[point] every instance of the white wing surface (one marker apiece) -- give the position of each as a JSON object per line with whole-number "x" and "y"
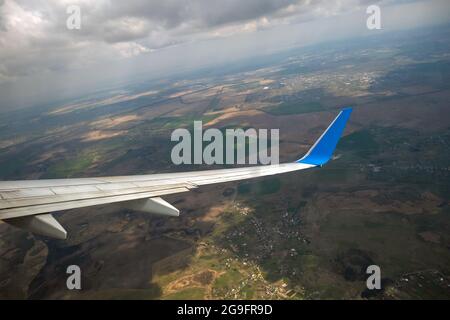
{"x": 27, "y": 203}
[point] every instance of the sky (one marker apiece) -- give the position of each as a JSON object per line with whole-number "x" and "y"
{"x": 42, "y": 61}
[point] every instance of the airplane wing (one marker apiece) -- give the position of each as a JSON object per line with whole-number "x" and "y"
{"x": 28, "y": 204}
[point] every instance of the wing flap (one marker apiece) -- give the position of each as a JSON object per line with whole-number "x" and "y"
{"x": 59, "y": 206}
{"x": 24, "y": 201}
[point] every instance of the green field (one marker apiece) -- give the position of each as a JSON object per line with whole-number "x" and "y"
{"x": 287, "y": 108}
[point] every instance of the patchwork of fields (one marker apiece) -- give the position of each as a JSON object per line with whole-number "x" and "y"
{"x": 383, "y": 200}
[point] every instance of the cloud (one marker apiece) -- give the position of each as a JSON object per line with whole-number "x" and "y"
{"x": 35, "y": 42}
{"x": 130, "y": 49}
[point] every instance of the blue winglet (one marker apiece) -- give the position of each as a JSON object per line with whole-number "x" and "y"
{"x": 323, "y": 149}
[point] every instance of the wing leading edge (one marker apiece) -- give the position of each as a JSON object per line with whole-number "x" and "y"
{"x": 28, "y": 203}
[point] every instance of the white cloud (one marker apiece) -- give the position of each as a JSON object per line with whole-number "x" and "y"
{"x": 130, "y": 49}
